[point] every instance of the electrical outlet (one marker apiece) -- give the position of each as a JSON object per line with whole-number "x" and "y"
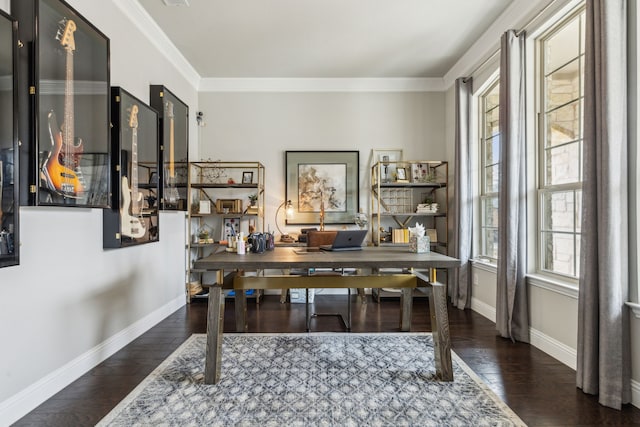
{"x": 475, "y": 279}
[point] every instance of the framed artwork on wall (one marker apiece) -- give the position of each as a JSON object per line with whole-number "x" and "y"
{"x": 133, "y": 218}
{"x": 173, "y": 149}
{"x": 322, "y": 179}
{"x": 64, "y": 106}
{"x": 9, "y": 210}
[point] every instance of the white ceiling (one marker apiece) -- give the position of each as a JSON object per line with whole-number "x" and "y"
{"x": 324, "y": 38}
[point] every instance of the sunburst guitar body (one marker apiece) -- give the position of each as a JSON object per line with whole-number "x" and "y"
{"x": 62, "y": 168}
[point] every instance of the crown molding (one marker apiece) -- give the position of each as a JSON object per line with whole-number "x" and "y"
{"x": 321, "y": 85}
{"x": 519, "y": 15}
{"x": 141, "y": 19}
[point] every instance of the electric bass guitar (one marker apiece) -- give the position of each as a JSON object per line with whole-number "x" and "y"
{"x": 61, "y": 170}
{"x": 171, "y": 192}
{"x": 131, "y": 221}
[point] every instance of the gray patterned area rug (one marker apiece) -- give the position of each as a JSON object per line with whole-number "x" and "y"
{"x": 312, "y": 380}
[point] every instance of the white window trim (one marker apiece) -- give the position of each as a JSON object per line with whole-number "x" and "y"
{"x": 538, "y": 186}
{"x": 635, "y": 308}
{"x": 480, "y": 195}
{"x": 550, "y": 284}
{"x": 484, "y": 264}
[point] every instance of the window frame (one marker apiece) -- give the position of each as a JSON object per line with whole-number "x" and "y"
{"x": 483, "y": 195}
{"x": 542, "y": 188}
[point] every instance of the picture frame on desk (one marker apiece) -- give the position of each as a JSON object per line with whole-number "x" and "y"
{"x": 247, "y": 177}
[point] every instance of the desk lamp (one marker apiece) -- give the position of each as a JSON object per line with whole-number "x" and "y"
{"x": 288, "y": 215}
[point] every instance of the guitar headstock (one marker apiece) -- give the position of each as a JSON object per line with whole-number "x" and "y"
{"x": 65, "y": 34}
{"x": 133, "y": 116}
{"x": 168, "y": 109}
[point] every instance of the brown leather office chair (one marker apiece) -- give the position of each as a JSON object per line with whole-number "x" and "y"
{"x": 317, "y": 238}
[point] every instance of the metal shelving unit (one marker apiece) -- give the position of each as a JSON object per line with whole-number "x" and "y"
{"x": 220, "y": 204}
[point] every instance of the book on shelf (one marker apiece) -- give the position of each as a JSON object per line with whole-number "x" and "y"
{"x": 400, "y": 235}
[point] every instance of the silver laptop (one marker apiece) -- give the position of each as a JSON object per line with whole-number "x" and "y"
{"x": 346, "y": 240}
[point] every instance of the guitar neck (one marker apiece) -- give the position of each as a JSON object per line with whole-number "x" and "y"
{"x": 135, "y": 207}
{"x": 172, "y": 168}
{"x": 68, "y": 123}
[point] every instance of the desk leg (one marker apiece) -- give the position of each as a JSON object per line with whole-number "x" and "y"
{"x": 406, "y": 306}
{"x": 215, "y": 322}
{"x": 241, "y": 311}
{"x": 440, "y": 329}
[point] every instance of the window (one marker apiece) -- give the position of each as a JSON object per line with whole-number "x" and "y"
{"x": 561, "y": 105}
{"x": 489, "y": 167}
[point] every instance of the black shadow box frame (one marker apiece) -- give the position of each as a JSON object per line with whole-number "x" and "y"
{"x": 9, "y": 173}
{"x": 63, "y": 105}
{"x": 173, "y": 149}
{"x": 133, "y": 218}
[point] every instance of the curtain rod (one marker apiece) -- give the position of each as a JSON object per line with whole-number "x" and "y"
{"x": 518, "y": 33}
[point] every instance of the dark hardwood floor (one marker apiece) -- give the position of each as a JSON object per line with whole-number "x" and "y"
{"x": 539, "y": 389}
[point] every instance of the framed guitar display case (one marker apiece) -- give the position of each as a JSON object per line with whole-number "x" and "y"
{"x": 9, "y": 221}
{"x": 173, "y": 149}
{"x": 133, "y": 218}
{"x": 63, "y": 105}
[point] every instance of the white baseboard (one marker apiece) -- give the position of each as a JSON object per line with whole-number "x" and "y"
{"x": 554, "y": 348}
{"x": 635, "y": 393}
{"x": 20, "y": 404}
{"x": 484, "y": 309}
{"x": 551, "y": 346}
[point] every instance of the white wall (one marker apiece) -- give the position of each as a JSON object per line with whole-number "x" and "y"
{"x": 70, "y": 304}
{"x": 261, "y": 126}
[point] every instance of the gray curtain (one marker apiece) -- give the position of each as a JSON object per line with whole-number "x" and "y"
{"x": 603, "y": 318}
{"x": 512, "y": 317}
{"x": 460, "y": 283}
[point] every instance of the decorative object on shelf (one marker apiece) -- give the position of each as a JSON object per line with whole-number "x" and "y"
{"x": 418, "y": 241}
{"x": 419, "y": 172}
{"x": 224, "y": 206}
{"x": 252, "y": 209}
{"x": 247, "y": 177}
{"x": 401, "y": 175}
{"x": 9, "y": 189}
{"x": 231, "y": 228}
{"x": 361, "y": 220}
{"x": 388, "y": 158}
{"x": 204, "y": 234}
{"x": 288, "y": 213}
{"x": 65, "y": 160}
{"x": 204, "y": 207}
{"x": 214, "y": 174}
{"x": 322, "y": 179}
{"x": 427, "y": 208}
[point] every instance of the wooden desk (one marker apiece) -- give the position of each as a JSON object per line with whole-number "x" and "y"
{"x": 423, "y": 273}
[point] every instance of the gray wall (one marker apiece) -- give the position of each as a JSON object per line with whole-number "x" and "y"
{"x": 69, "y": 304}
{"x": 261, "y": 126}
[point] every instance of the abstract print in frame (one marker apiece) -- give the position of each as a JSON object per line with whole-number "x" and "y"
{"x": 317, "y": 179}
{"x": 67, "y": 163}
